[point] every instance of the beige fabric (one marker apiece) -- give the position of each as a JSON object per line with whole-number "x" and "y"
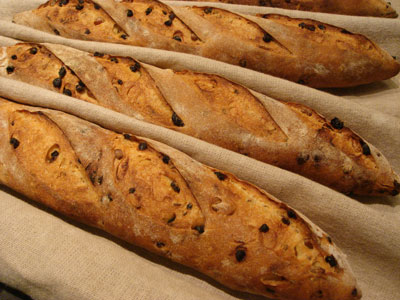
{"x": 385, "y": 32}
{"x": 50, "y": 258}
{"x": 367, "y": 234}
{"x": 381, "y": 30}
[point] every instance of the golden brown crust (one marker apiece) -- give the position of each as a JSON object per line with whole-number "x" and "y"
{"x": 82, "y": 23}
{"x": 357, "y": 152}
{"x": 314, "y": 54}
{"x": 211, "y": 108}
{"x": 356, "y": 52}
{"x": 374, "y": 8}
{"x": 36, "y": 64}
{"x": 158, "y": 198}
{"x": 159, "y": 18}
{"x": 137, "y": 89}
{"x": 235, "y": 103}
{"x": 134, "y": 89}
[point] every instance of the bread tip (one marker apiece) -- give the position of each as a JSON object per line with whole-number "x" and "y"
{"x": 391, "y": 67}
{"x": 390, "y": 12}
{"x": 396, "y": 185}
{"x": 394, "y": 69}
{"x": 397, "y": 68}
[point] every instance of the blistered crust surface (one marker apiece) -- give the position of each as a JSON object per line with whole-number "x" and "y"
{"x": 160, "y": 199}
{"x": 299, "y": 50}
{"x": 209, "y": 107}
{"x": 376, "y": 8}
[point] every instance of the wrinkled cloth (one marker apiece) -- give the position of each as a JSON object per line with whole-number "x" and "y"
{"x": 50, "y": 257}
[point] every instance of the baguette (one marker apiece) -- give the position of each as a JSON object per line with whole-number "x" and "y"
{"x": 211, "y": 108}
{"x": 160, "y": 199}
{"x": 303, "y": 51}
{"x": 373, "y": 8}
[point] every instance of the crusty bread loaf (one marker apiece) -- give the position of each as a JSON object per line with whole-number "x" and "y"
{"x": 160, "y": 199}
{"x": 303, "y": 51}
{"x": 374, "y": 8}
{"x": 209, "y": 107}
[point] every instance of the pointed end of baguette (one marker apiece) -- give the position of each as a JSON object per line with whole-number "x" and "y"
{"x": 387, "y": 181}
{"x": 391, "y": 14}
{"x": 389, "y": 11}
{"x": 390, "y": 66}
{"x": 394, "y": 187}
{"x": 377, "y": 65}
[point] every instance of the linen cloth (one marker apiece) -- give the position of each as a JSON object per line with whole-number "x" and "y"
{"x": 50, "y": 257}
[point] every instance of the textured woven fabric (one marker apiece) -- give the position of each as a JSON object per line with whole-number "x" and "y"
{"x": 49, "y": 257}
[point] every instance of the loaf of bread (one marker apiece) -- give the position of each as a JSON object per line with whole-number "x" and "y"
{"x": 160, "y": 199}
{"x": 374, "y": 8}
{"x": 303, "y": 51}
{"x": 211, "y": 108}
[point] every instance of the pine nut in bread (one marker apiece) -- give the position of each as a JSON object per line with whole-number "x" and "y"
{"x": 373, "y": 8}
{"x": 162, "y": 200}
{"x": 211, "y": 108}
{"x": 318, "y": 55}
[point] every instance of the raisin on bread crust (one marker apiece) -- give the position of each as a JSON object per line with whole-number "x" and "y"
{"x": 303, "y": 51}
{"x": 160, "y": 199}
{"x": 211, "y": 108}
{"x": 373, "y": 8}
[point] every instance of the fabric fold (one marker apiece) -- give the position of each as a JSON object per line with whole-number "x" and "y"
{"x": 353, "y": 225}
{"x": 52, "y": 258}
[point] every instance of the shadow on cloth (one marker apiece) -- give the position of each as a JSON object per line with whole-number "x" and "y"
{"x": 365, "y": 90}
